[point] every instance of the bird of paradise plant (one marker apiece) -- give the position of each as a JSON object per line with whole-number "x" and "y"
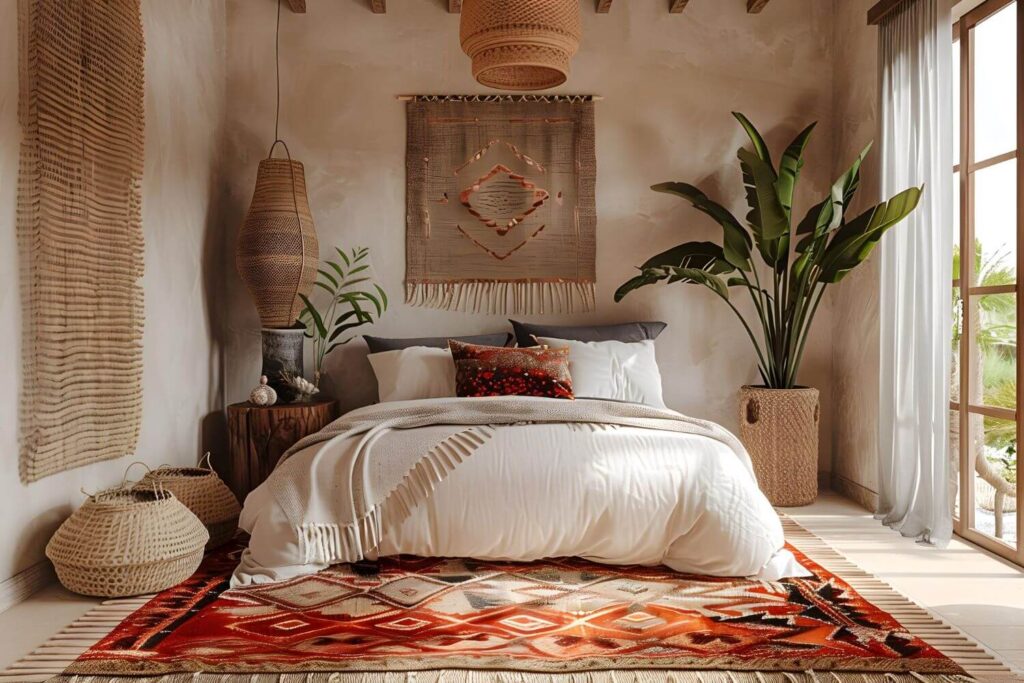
{"x": 802, "y": 259}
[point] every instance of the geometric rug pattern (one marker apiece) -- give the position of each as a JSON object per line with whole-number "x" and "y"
{"x": 554, "y": 616}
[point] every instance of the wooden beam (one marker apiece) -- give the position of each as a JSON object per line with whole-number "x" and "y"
{"x": 297, "y": 6}
{"x": 677, "y": 6}
{"x": 603, "y": 6}
{"x": 378, "y": 6}
{"x": 454, "y": 6}
{"x": 880, "y": 10}
{"x": 755, "y": 6}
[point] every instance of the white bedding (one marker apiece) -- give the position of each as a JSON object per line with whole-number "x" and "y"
{"x": 613, "y": 494}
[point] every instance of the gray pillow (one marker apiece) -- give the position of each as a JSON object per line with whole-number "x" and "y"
{"x": 623, "y": 332}
{"x": 378, "y": 344}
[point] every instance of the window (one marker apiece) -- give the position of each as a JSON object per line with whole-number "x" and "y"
{"x": 988, "y": 251}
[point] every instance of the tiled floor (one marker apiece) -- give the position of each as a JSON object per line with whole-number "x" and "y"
{"x": 974, "y": 591}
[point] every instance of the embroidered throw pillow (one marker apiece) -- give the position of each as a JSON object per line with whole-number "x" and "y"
{"x": 499, "y": 371}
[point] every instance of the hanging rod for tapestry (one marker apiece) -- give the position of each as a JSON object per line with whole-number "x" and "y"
{"x": 499, "y": 98}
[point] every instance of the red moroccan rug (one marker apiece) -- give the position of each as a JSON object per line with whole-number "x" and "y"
{"x": 484, "y": 621}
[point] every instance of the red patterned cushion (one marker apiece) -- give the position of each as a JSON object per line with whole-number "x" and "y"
{"x": 499, "y": 371}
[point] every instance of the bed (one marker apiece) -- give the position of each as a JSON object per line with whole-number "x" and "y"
{"x": 515, "y": 478}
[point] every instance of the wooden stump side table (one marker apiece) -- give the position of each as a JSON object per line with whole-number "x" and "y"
{"x": 259, "y": 436}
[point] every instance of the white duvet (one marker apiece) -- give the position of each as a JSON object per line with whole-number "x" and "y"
{"x": 608, "y": 493}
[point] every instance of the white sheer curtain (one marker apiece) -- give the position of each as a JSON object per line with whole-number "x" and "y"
{"x": 915, "y": 52}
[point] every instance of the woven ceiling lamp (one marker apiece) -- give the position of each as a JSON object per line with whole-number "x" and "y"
{"x": 520, "y": 44}
{"x": 277, "y": 252}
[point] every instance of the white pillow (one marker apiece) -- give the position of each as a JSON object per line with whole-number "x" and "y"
{"x": 414, "y": 372}
{"x": 623, "y": 371}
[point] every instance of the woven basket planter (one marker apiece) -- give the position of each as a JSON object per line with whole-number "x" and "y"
{"x": 127, "y": 542}
{"x": 204, "y": 493}
{"x": 277, "y": 252}
{"x": 520, "y": 44}
{"x": 779, "y": 428}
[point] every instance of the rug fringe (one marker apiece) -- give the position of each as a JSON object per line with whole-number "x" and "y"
{"x": 474, "y": 676}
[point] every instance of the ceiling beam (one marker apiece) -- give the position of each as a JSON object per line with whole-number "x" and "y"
{"x": 297, "y": 6}
{"x": 603, "y": 6}
{"x": 454, "y": 6}
{"x": 755, "y": 6}
{"x": 677, "y": 6}
{"x": 378, "y": 6}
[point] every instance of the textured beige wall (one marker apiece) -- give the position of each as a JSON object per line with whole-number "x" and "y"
{"x": 855, "y": 333}
{"x": 669, "y": 83}
{"x": 184, "y": 105}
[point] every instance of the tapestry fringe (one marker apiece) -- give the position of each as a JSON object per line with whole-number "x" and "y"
{"x": 321, "y": 543}
{"x": 475, "y": 676}
{"x": 502, "y": 298}
{"x": 504, "y": 98}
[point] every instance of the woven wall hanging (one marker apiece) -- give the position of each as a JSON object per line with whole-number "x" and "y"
{"x": 500, "y": 203}
{"x": 79, "y": 230}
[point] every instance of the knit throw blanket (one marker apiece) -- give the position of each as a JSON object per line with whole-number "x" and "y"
{"x": 374, "y": 465}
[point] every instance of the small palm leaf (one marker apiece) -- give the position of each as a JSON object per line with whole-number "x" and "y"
{"x": 317, "y": 320}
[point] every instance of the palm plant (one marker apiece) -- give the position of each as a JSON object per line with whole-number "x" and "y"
{"x": 802, "y": 259}
{"x": 346, "y": 309}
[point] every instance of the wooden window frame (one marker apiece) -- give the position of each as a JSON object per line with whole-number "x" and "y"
{"x": 964, "y": 524}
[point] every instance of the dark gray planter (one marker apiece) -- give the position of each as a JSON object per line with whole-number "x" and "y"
{"x": 282, "y": 354}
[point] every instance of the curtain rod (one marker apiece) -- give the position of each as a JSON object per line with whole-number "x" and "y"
{"x": 881, "y": 9}
{"x": 499, "y": 98}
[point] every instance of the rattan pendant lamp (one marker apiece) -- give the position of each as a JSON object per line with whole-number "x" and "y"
{"x": 277, "y": 252}
{"x": 520, "y": 44}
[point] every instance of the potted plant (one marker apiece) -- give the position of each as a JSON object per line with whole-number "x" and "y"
{"x": 346, "y": 307}
{"x": 778, "y": 419}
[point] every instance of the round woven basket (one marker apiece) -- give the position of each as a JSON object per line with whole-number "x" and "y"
{"x": 520, "y": 44}
{"x": 779, "y": 428}
{"x": 204, "y": 493}
{"x": 127, "y": 542}
{"x": 277, "y": 250}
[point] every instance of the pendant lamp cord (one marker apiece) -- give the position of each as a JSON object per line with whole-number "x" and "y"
{"x": 277, "y": 69}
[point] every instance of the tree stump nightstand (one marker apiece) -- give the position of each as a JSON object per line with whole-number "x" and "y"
{"x": 259, "y": 436}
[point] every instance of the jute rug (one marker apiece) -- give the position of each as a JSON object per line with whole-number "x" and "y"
{"x": 558, "y": 621}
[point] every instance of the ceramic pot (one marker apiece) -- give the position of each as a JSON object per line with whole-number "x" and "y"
{"x": 779, "y": 428}
{"x": 282, "y": 354}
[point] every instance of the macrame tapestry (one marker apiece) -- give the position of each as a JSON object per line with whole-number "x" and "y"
{"x": 80, "y": 231}
{"x": 500, "y": 203}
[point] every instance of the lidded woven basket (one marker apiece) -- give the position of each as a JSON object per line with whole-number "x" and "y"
{"x": 520, "y": 44}
{"x": 125, "y": 542}
{"x": 277, "y": 252}
{"x": 204, "y": 493}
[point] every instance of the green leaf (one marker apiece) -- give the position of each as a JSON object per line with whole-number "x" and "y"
{"x": 358, "y": 280}
{"x": 317, "y": 320}
{"x": 736, "y": 241}
{"x": 789, "y": 168}
{"x": 330, "y": 278}
{"x": 760, "y": 148}
{"x": 375, "y": 301}
{"x": 698, "y": 276}
{"x": 358, "y": 269}
{"x": 337, "y": 269}
{"x": 340, "y": 329}
{"x": 767, "y": 217}
{"x": 344, "y": 257}
{"x": 642, "y": 280}
{"x": 324, "y": 287}
{"x": 855, "y": 240}
{"x": 703, "y": 255}
{"x": 383, "y": 296}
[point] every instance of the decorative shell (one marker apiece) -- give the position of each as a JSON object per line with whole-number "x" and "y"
{"x": 303, "y": 387}
{"x": 264, "y": 394}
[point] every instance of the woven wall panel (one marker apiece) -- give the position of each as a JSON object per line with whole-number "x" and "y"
{"x": 80, "y": 231}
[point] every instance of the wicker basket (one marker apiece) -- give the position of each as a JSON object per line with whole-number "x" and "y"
{"x": 277, "y": 253}
{"x": 779, "y": 428}
{"x": 127, "y": 542}
{"x": 520, "y": 44}
{"x": 204, "y": 493}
